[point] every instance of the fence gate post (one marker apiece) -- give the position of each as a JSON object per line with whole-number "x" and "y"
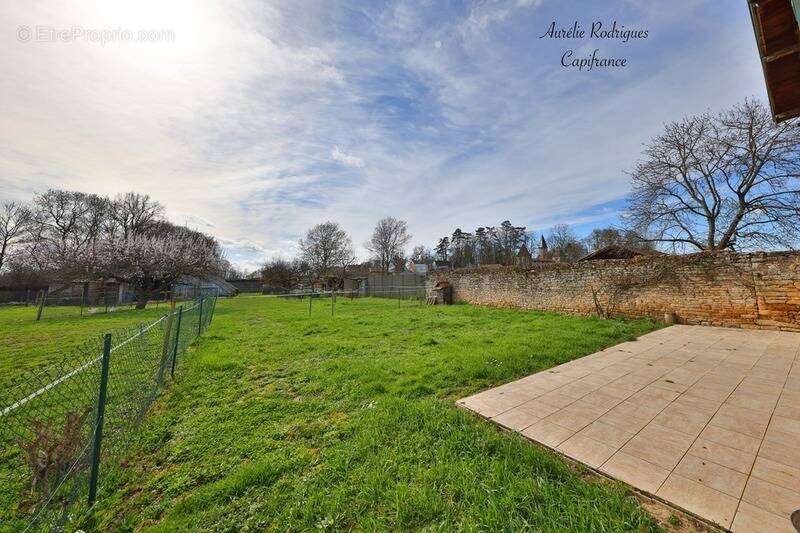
{"x": 41, "y": 304}
{"x": 200, "y": 319}
{"x": 177, "y": 341}
{"x": 98, "y": 423}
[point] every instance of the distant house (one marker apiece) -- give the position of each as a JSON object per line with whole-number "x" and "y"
{"x": 94, "y": 292}
{"x": 246, "y": 285}
{"x": 417, "y": 268}
{"x": 441, "y": 265}
{"x": 615, "y": 251}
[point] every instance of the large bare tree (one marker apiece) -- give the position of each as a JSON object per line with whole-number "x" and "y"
{"x": 724, "y": 181}
{"x": 389, "y": 240}
{"x": 15, "y": 220}
{"x": 132, "y": 213}
{"x": 326, "y": 248}
{"x": 564, "y": 245}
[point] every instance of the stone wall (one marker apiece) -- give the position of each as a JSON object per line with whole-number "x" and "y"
{"x": 760, "y": 290}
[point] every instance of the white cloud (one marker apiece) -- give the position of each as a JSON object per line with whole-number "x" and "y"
{"x": 348, "y": 160}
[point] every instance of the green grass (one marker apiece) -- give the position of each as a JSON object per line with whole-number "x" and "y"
{"x": 283, "y": 422}
{"x": 26, "y": 344}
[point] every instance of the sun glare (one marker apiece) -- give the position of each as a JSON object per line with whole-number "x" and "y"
{"x": 164, "y": 33}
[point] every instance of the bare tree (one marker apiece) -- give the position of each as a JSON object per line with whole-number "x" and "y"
{"x": 65, "y": 228}
{"x": 15, "y": 220}
{"x": 327, "y": 247}
{"x": 725, "y": 181}
{"x": 132, "y": 213}
{"x": 388, "y": 241}
{"x": 603, "y": 237}
{"x": 278, "y": 274}
{"x": 422, "y": 254}
{"x": 564, "y": 244}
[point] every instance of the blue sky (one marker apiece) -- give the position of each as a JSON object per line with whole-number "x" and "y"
{"x": 261, "y": 119}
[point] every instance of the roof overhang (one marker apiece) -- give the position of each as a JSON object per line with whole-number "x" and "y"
{"x": 777, "y": 28}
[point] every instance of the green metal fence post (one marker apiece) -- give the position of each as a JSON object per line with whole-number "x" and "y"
{"x": 177, "y": 341}
{"x": 41, "y": 304}
{"x": 200, "y": 318}
{"x": 98, "y": 421}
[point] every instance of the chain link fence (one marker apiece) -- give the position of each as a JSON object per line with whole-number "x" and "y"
{"x": 87, "y": 299}
{"x": 65, "y": 428}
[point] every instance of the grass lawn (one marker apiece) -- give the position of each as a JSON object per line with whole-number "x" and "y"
{"x": 26, "y": 344}
{"x": 283, "y": 422}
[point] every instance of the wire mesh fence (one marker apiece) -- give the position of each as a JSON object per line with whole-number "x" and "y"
{"x": 65, "y": 428}
{"x": 87, "y": 299}
{"x": 324, "y": 301}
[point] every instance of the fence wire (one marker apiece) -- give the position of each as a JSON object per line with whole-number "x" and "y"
{"x": 56, "y": 429}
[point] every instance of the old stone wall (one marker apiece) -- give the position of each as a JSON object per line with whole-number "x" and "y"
{"x": 760, "y": 290}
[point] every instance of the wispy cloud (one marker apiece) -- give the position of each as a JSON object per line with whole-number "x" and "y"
{"x": 348, "y": 160}
{"x": 261, "y": 119}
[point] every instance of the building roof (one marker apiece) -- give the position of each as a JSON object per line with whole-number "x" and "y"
{"x": 524, "y": 252}
{"x": 777, "y": 27}
{"x": 616, "y": 251}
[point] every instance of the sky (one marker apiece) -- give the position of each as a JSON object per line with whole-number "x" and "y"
{"x": 255, "y": 120}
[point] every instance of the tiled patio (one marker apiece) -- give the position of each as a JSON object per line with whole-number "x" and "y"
{"x": 705, "y": 418}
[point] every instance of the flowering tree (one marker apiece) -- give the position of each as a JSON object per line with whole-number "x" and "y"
{"x": 152, "y": 262}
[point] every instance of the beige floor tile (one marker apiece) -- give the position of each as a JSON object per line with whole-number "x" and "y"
{"x": 700, "y": 499}
{"x": 723, "y": 455}
{"x": 788, "y": 409}
{"x": 663, "y": 447}
{"x": 556, "y": 400}
{"x": 537, "y": 408}
{"x": 699, "y": 405}
{"x": 547, "y": 433}
{"x": 491, "y": 404}
{"x": 681, "y": 420}
{"x": 739, "y": 441}
{"x": 575, "y": 390}
{"x": 785, "y": 425}
{"x": 754, "y": 402}
{"x": 752, "y": 519}
{"x": 516, "y": 419}
{"x": 733, "y": 418}
{"x": 607, "y": 434}
{"x": 586, "y": 450}
{"x": 588, "y": 408}
{"x": 780, "y": 452}
{"x": 773, "y": 498}
{"x": 712, "y": 475}
{"x": 777, "y": 473}
{"x": 602, "y": 399}
{"x": 627, "y": 420}
{"x": 570, "y": 419}
{"x": 707, "y": 393}
{"x": 634, "y": 471}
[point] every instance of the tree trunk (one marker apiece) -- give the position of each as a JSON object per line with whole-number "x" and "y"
{"x": 141, "y": 299}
